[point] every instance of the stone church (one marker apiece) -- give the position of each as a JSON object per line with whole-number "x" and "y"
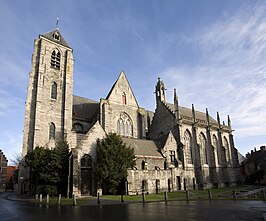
{"x": 176, "y": 148}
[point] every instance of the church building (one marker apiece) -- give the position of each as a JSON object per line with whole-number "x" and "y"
{"x": 176, "y": 148}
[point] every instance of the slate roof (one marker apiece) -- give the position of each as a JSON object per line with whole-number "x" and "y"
{"x": 143, "y": 147}
{"x": 49, "y": 35}
{"x": 85, "y": 108}
{"x": 186, "y": 113}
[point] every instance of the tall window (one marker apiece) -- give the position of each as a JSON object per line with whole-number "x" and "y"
{"x": 226, "y": 152}
{"x": 172, "y": 156}
{"x": 120, "y": 127}
{"x": 203, "y": 149}
{"x": 215, "y": 144}
{"x": 124, "y": 98}
{"x": 54, "y": 91}
{"x": 55, "y": 59}
{"x": 125, "y": 125}
{"x": 188, "y": 147}
{"x": 214, "y": 148}
{"x": 51, "y": 131}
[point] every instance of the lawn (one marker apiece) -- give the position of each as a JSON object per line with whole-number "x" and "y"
{"x": 217, "y": 194}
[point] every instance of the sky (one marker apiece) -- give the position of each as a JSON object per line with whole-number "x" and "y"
{"x": 212, "y": 52}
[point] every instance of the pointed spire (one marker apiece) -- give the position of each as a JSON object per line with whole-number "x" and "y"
{"x": 218, "y": 119}
{"x": 175, "y": 97}
{"x": 176, "y": 106}
{"x": 229, "y": 122}
{"x": 207, "y": 117}
{"x": 193, "y": 114}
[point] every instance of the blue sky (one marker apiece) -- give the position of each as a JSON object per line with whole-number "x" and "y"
{"x": 212, "y": 52}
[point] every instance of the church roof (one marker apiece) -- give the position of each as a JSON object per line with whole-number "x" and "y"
{"x": 50, "y": 36}
{"x": 85, "y": 108}
{"x": 145, "y": 148}
{"x": 186, "y": 114}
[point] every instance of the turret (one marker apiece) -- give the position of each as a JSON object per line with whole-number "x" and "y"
{"x": 160, "y": 91}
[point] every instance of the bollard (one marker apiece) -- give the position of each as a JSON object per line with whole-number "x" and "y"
{"x": 143, "y": 197}
{"x": 47, "y": 199}
{"x": 122, "y": 198}
{"x": 234, "y": 194}
{"x": 187, "y": 195}
{"x": 36, "y": 197}
{"x": 40, "y": 198}
{"x": 74, "y": 200}
{"x": 263, "y": 194}
{"x": 165, "y": 197}
{"x": 210, "y": 194}
{"x": 59, "y": 200}
{"x": 98, "y": 198}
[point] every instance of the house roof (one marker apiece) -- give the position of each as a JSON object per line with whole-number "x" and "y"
{"x": 146, "y": 148}
{"x": 50, "y": 36}
{"x": 85, "y": 108}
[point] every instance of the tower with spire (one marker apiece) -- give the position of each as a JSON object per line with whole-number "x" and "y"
{"x": 48, "y": 111}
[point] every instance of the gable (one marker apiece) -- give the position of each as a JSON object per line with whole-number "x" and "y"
{"x": 121, "y": 92}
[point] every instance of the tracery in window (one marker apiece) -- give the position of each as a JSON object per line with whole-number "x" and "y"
{"x": 54, "y": 91}
{"x": 55, "y": 59}
{"x": 86, "y": 161}
{"x": 125, "y": 125}
{"x": 188, "y": 147}
{"x": 203, "y": 149}
{"x": 172, "y": 156}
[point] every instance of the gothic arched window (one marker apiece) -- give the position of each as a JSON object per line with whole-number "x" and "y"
{"x": 54, "y": 91}
{"x": 125, "y": 125}
{"x": 226, "y": 152}
{"x": 214, "y": 148}
{"x": 52, "y": 131}
{"x": 86, "y": 161}
{"x": 188, "y": 147}
{"x": 55, "y": 59}
{"x": 203, "y": 149}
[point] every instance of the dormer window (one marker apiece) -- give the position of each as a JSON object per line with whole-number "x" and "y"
{"x": 55, "y": 59}
{"x": 56, "y": 36}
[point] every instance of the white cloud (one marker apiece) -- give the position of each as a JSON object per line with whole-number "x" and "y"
{"x": 230, "y": 73}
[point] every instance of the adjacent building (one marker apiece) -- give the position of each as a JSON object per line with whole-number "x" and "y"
{"x": 3, "y": 171}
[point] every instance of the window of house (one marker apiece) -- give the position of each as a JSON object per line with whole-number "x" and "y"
{"x": 55, "y": 59}
{"x": 51, "y": 131}
{"x": 144, "y": 165}
{"x": 172, "y": 156}
{"x": 54, "y": 91}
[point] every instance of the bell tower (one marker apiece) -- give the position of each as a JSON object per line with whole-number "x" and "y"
{"x": 48, "y": 111}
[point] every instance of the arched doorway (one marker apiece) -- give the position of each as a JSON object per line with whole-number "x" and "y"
{"x": 86, "y": 175}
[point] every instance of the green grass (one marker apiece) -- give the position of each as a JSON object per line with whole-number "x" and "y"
{"x": 217, "y": 194}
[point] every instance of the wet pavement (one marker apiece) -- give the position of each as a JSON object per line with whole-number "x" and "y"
{"x": 175, "y": 210}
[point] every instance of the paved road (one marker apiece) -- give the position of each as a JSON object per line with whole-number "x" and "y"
{"x": 177, "y": 210}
